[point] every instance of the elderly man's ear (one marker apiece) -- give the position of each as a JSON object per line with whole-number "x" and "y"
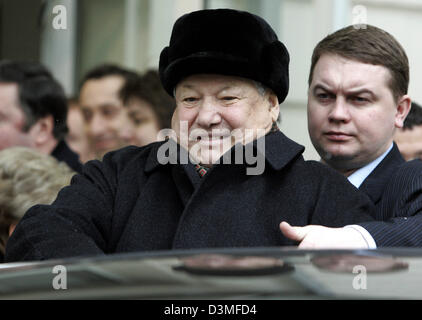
{"x": 403, "y": 108}
{"x": 274, "y": 106}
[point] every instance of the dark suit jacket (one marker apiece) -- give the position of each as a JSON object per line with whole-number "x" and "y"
{"x": 395, "y": 187}
{"x": 130, "y": 202}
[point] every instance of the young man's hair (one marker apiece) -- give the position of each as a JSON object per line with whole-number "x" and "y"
{"x": 39, "y": 94}
{"x": 149, "y": 89}
{"x": 108, "y": 70}
{"x": 27, "y": 178}
{"x": 414, "y": 117}
{"x": 370, "y": 45}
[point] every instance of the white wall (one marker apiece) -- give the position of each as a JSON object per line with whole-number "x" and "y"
{"x": 402, "y": 19}
{"x": 58, "y": 46}
{"x": 303, "y": 23}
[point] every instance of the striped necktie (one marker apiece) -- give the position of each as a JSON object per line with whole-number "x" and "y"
{"x": 202, "y": 171}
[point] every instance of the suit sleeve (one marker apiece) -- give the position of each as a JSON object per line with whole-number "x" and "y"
{"x": 77, "y": 223}
{"x": 400, "y": 210}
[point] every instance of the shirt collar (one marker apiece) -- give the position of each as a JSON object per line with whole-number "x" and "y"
{"x": 357, "y": 177}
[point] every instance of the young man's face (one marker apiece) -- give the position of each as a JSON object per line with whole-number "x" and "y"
{"x": 213, "y": 107}
{"x": 12, "y": 119}
{"x": 108, "y": 125}
{"x": 352, "y": 114}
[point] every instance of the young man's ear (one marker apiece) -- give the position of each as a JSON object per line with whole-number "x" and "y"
{"x": 42, "y": 131}
{"x": 403, "y": 108}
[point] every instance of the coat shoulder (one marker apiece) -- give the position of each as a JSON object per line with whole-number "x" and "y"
{"x": 129, "y": 153}
{"x": 408, "y": 176}
{"x": 321, "y": 171}
{"x": 410, "y": 168}
{"x": 122, "y": 158}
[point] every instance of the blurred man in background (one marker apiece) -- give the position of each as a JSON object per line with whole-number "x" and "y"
{"x": 33, "y": 110}
{"x": 77, "y": 138}
{"x": 409, "y": 138}
{"x": 108, "y": 125}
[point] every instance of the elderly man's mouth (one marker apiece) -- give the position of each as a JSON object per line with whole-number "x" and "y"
{"x": 212, "y": 141}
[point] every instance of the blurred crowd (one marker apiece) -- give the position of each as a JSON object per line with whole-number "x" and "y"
{"x": 115, "y": 108}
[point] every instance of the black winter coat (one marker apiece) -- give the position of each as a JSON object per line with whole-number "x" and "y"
{"x": 130, "y": 202}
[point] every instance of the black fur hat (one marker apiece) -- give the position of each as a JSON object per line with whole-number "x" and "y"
{"x": 227, "y": 42}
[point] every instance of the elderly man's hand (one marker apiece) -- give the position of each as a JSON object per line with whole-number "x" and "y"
{"x": 319, "y": 237}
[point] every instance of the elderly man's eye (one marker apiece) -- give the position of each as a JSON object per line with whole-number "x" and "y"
{"x": 190, "y": 99}
{"x": 229, "y": 99}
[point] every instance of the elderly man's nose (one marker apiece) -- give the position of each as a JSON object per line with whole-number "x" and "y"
{"x": 208, "y": 114}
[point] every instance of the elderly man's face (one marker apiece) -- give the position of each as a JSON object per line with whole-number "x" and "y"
{"x": 218, "y": 111}
{"x": 352, "y": 114}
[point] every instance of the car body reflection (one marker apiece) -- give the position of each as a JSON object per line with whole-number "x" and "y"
{"x": 230, "y": 273}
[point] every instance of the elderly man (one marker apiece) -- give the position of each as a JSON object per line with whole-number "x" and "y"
{"x": 357, "y": 99}
{"x": 228, "y": 73}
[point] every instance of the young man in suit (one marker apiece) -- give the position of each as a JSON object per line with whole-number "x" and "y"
{"x": 357, "y": 99}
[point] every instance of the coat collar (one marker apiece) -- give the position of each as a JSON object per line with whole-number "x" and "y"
{"x": 279, "y": 151}
{"x": 375, "y": 183}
